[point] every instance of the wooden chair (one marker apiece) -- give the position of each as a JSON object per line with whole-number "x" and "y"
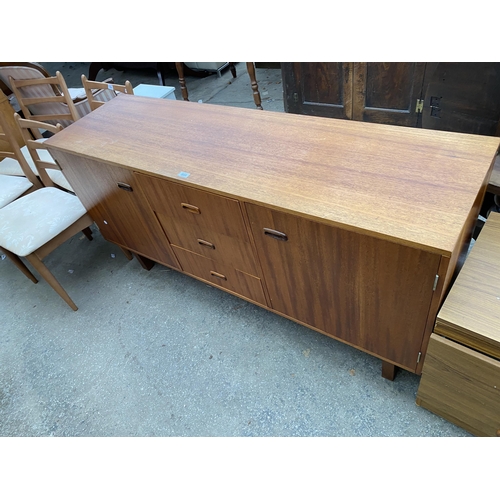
{"x": 29, "y": 71}
{"x": 35, "y": 224}
{"x": 49, "y": 172}
{"x": 96, "y": 100}
{"x": 25, "y": 180}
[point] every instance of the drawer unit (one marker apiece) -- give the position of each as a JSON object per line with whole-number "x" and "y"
{"x": 221, "y": 275}
{"x": 462, "y": 386}
{"x": 461, "y": 373}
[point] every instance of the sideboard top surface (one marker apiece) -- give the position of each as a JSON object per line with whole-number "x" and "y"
{"x": 408, "y": 185}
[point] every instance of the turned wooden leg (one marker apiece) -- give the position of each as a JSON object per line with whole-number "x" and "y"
{"x": 19, "y": 264}
{"x": 388, "y": 370}
{"x": 88, "y": 233}
{"x": 232, "y": 69}
{"x": 127, "y": 253}
{"x": 145, "y": 262}
{"x": 182, "y": 81}
{"x": 49, "y": 278}
{"x": 255, "y": 87}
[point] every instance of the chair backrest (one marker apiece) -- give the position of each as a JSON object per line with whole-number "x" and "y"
{"x": 7, "y": 112}
{"x": 45, "y": 99}
{"x": 8, "y": 135}
{"x": 20, "y": 71}
{"x": 95, "y": 100}
{"x": 26, "y": 127}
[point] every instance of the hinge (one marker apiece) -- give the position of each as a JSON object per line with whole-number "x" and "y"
{"x": 436, "y": 279}
{"x": 418, "y": 357}
{"x": 420, "y": 106}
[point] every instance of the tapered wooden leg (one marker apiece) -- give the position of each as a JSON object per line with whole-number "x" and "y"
{"x": 127, "y": 253}
{"x": 145, "y": 262}
{"x": 255, "y": 87}
{"x": 388, "y": 370}
{"x": 19, "y": 264}
{"x": 49, "y": 278}
{"x": 182, "y": 81}
{"x": 233, "y": 69}
{"x": 88, "y": 233}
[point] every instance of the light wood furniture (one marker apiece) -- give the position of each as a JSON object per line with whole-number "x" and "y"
{"x": 90, "y": 86}
{"x": 350, "y": 228}
{"x": 37, "y": 223}
{"x": 461, "y": 373}
{"x": 7, "y": 113}
{"x": 38, "y": 100}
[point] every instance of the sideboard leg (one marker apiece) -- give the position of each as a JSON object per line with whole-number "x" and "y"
{"x": 388, "y": 370}
{"x": 145, "y": 262}
{"x": 127, "y": 253}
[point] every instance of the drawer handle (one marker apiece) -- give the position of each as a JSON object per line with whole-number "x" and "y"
{"x": 277, "y": 235}
{"x": 206, "y": 244}
{"x": 125, "y": 187}
{"x": 191, "y": 208}
{"x": 218, "y": 275}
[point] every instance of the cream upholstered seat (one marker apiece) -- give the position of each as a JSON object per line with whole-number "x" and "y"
{"x": 31, "y": 221}
{"x": 12, "y": 188}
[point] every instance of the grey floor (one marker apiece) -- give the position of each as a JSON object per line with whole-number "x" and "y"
{"x": 161, "y": 354}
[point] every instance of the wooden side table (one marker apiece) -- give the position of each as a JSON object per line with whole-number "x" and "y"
{"x": 461, "y": 373}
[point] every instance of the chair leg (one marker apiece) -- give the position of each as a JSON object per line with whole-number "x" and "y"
{"x": 88, "y": 233}
{"x": 49, "y": 278}
{"x": 20, "y": 265}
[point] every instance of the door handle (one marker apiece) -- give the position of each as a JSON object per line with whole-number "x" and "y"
{"x": 191, "y": 208}
{"x": 277, "y": 235}
{"x": 218, "y": 275}
{"x": 206, "y": 244}
{"x": 125, "y": 187}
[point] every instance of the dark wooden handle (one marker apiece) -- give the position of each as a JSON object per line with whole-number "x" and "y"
{"x": 125, "y": 187}
{"x": 218, "y": 275}
{"x": 191, "y": 208}
{"x": 277, "y": 235}
{"x": 206, "y": 244}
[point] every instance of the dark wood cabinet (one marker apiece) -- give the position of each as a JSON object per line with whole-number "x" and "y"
{"x": 456, "y": 97}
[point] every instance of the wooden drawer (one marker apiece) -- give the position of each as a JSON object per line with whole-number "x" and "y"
{"x": 221, "y": 275}
{"x": 193, "y": 206}
{"x": 462, "y": 386}
{"x": 211, "y": 244}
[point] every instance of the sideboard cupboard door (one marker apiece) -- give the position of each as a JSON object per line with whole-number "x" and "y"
{"x": 388, "y": 92}
{"x": 318, "y": 89}
{"x": 368, "y": 292}
{"x": 113, "y": 200}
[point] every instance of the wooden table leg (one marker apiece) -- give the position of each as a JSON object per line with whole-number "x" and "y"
{"x": 255, "y": 87}
{"x": 180, "y": 71}
{"x": 144, "y": 262}
{"x": 388, "y": 370}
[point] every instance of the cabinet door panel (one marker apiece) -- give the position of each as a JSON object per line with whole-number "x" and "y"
{"x": 122, "y": 215}
{"x": 371, "y": 293}
{"x": 318, "y": 89}
{"x": 388, "y": 92}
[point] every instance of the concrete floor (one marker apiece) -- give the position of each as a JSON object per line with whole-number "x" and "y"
{"x": 161, "y": 354}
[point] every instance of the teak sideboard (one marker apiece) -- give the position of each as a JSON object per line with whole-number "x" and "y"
{"x": 352, "y": 229}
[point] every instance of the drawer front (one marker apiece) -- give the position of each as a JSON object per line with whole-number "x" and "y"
{"x": 462, "y": 386}
{"x": 193, "y": 206}
{"x": 221, "y": 275}
{"x": 211, "y": 244}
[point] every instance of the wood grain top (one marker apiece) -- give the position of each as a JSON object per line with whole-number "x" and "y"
{"x": 471, "y": 312}
{"x": 410, "y": 185}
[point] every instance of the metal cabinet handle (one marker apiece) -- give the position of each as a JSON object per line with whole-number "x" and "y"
{"x": 191, "y": 208}
{"x": 277, "y": 235}
{"x": 218, "y": 275}
{"x": 125, "y": 187}
{"x": 206, "y": 244}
